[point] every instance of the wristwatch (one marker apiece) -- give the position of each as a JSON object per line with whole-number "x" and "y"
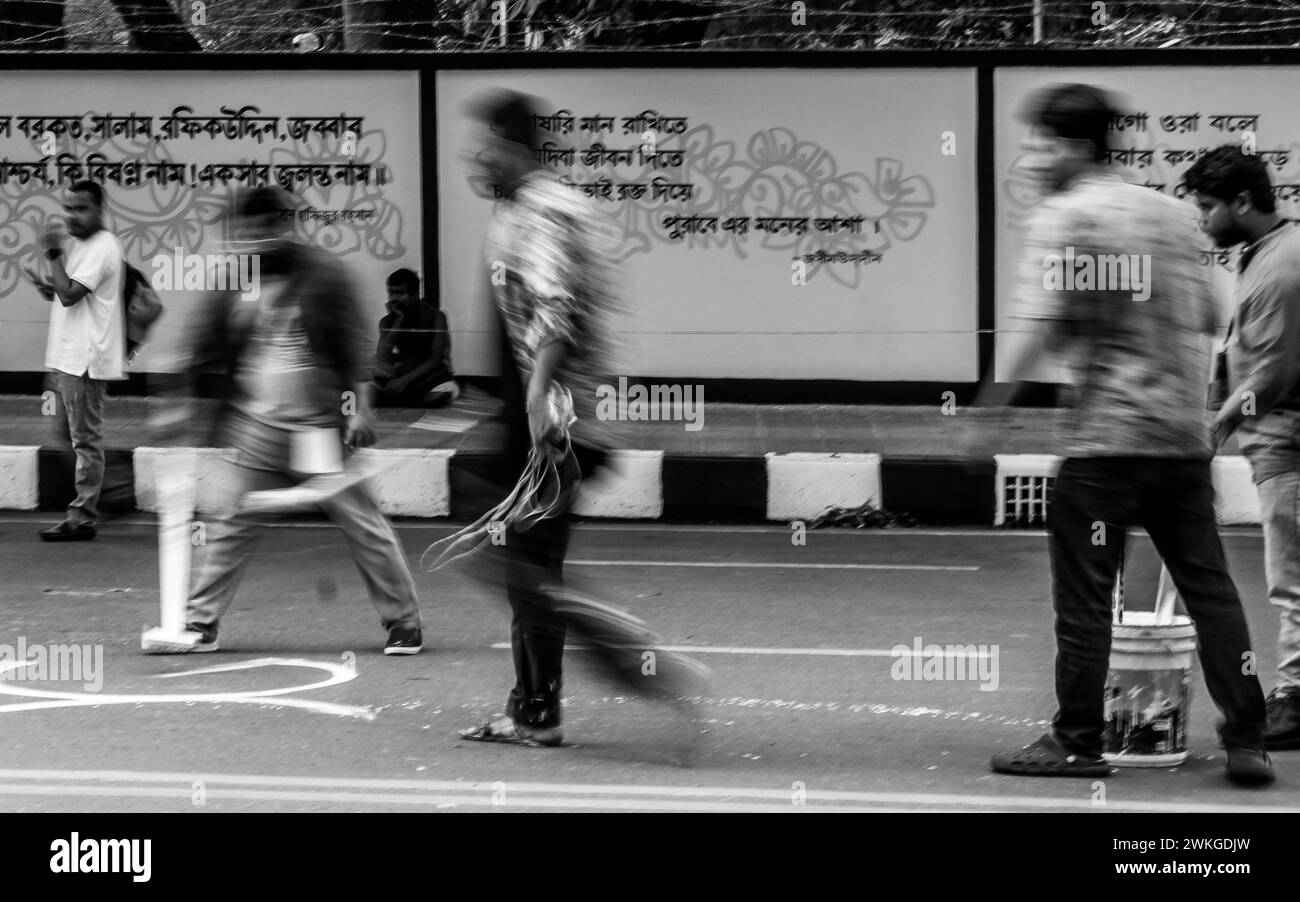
{"x": 54, "y": 253}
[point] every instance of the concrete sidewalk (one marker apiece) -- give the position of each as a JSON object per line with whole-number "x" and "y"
{"x": 748, "y": 463}
{"x": 732, "y": 430}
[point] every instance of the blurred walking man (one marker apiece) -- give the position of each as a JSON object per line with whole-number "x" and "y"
{"x": 1138, "y": 447}
{"x": 549, "y": 258}
{"x": 1261, "y": 389}
{"x": 293, "y": 363}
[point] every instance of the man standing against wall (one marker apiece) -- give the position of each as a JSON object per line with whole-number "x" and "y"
{"x": 1262, "y": 387}
{"x": 1137, "y": 449}
{"x": 87, "y": 343}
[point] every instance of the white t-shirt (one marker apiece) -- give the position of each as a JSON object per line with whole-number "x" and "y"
{"x": 89, "y": 335}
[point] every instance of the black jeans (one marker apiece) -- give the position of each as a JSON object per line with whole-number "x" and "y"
{"x": 1093, "y": 503}
{"x": 545, "y": 613}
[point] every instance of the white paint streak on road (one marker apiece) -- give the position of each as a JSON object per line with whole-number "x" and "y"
{"x": 569, "y": 796}
{"x": 743, "y": 565}
{"x": 945, "y": 652}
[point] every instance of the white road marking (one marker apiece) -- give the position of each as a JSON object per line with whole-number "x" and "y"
{"x": 87, "y": 593}
{"x": 780, "y": 528}
{"x": 339, "y": 673}
{"x": 814, "y": 652}
{"x": 772, "y": 566}
{"x": 554, "y": 795}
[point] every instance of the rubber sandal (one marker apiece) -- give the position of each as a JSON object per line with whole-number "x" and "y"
{"x": 507, "y": 731}
{"x": 1046, "y": 757}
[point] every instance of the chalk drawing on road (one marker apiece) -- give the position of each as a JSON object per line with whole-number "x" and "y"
{"x": 276, "y": 697}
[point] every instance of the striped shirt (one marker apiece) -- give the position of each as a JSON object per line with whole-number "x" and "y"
{"x": 549, "y": 258}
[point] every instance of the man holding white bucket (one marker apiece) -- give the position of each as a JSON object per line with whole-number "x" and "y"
{"x": 1137, "y": 450}
{"x": 1259, "y": 388}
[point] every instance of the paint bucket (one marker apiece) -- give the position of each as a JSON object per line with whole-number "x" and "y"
{"x": 1149, "y": 691}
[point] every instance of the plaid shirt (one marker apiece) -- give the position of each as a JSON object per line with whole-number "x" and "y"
{"x": 548, "y": 253}
{"x": 1141, "y": 366}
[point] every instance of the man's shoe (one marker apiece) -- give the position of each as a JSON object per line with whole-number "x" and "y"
{"x": 404, "y": 641}
{"x": 1249, "y": 767}
{"x": 1283, "y": 728}
{"x": 1046, "y": 757}
{"x": 207, "y": 642}
{"x": 67, "y": 531}
{"x": 508, "y": 730}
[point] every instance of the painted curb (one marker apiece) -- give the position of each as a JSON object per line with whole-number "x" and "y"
{"x": 803, "y": 485}
{"x": 19, "y": 477}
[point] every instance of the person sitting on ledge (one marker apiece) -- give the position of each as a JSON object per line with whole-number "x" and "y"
{"x": 413, "y": 359}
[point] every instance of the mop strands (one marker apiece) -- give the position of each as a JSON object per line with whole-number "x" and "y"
{"x": 547, "y": 485}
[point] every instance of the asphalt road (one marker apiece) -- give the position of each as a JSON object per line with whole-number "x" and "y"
{"x": 300, "y": 711}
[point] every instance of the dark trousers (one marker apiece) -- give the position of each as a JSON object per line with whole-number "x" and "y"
{"x": 545, "y": 613}
{"x": 1093, "y": 503}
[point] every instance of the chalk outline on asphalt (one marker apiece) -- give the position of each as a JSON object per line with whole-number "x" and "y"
{"x": 339, "y": 673}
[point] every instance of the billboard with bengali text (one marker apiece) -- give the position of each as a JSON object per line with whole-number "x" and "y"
{"x": 1170, "y": 117}
{"x": 170, "y": 147}
{"x": 784, "y": 224}
{"x": 778, "y": 224}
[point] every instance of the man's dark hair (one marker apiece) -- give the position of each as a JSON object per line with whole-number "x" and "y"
{"x": 260, "y": 201}
{"x": 86, "y": 186}
{"x": 1075, "y": 112}
{"x": 1225, "y": 172}
{"x": 508, "y": 114}
{"x": 406, "y": 278}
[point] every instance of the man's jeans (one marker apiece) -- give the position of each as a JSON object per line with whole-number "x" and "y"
{"x": 1093, "y": 503}
{"x": 79, "y": 424}
{"x": 1279, "y": 499}
{"x": 220, "y": 563}
{"x": 545, "y": 613}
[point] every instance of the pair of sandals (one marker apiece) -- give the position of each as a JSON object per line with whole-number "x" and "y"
{"x": 1046, "y": 757}
{"x": 507, "y": 730}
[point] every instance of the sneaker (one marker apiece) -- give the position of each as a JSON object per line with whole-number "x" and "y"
{"x": 1249, "y": 767}
{"x": 206, "y": 643}
{"x": 404, "y": 641}
{"x": 1283, "y": 728}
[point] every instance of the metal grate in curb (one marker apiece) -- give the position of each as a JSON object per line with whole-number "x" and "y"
{"x": 1023, "y": 484}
